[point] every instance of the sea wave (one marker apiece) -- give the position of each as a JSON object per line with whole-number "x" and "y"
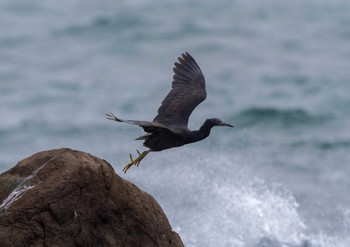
{"x": 118, "y": 23}
{"x": 324, "y": 144}
{"x": 257, "y": 116}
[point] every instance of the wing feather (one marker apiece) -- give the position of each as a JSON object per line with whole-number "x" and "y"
{"x": 148, "y": 126}
{"x": 188, "y": 91}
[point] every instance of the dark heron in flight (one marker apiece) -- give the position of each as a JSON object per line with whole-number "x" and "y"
{"x": 169, "y": 128}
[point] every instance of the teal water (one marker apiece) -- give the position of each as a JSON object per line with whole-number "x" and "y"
{"x": 277, "y": 70}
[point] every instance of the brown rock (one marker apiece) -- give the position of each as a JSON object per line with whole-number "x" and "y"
{"x": 70, "y": 198}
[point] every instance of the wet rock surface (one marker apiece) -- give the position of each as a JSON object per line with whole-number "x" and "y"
{"x": 64, "y": 197}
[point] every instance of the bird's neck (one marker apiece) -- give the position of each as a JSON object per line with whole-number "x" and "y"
{"x": 198, "y": 135}
{"x": 205, "y": 128}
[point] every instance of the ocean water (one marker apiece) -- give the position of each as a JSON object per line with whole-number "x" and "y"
{"x": 278, "y": 70}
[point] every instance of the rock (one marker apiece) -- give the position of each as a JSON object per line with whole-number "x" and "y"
{"x": 68, "y": 198}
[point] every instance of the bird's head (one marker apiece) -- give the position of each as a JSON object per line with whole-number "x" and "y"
{"x": 211, "y": 122}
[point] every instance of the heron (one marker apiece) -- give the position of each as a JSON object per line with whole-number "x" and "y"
{"x": 169, "y": 128}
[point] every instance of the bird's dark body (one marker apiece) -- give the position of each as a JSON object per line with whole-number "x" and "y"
{"x": 166, "y": 139}
{"x": 161, "y": 140}
{"x": 169, "y": 128}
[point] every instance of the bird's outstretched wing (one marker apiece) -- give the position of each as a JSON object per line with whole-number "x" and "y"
{"x": 188, "y": 90}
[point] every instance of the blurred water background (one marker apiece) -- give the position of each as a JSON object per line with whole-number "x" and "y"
{"x": 278, "y": 70}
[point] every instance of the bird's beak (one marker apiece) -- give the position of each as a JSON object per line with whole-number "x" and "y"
{"x": 226, "y": 124}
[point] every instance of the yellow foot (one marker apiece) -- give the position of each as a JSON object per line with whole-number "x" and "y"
{"x": 137, "y": 161}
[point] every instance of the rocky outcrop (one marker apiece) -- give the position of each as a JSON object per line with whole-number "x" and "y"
{"x": 69, "y": 198}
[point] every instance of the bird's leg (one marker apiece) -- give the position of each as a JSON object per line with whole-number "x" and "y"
{"x": 135, "y": 161}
